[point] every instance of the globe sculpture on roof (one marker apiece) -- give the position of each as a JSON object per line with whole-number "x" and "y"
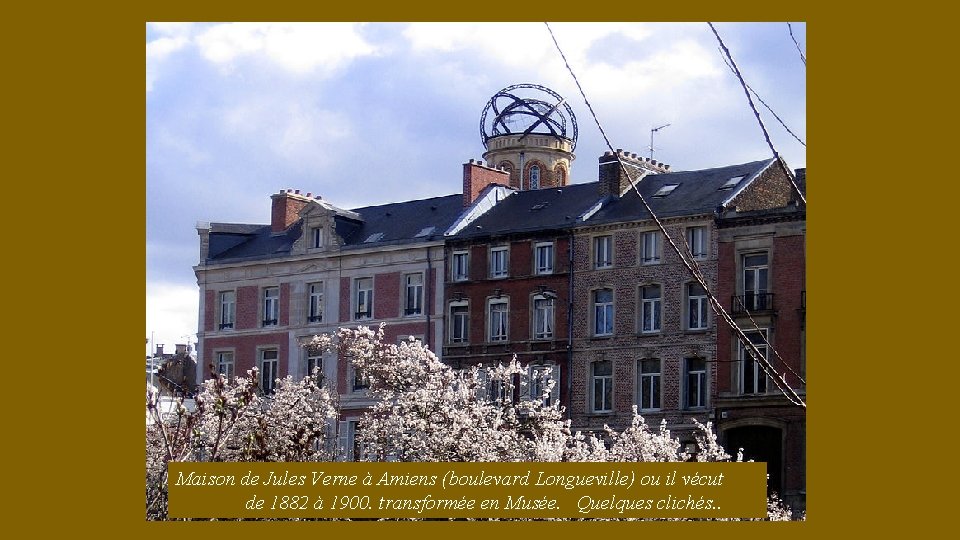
{"x": 529, "y": 131}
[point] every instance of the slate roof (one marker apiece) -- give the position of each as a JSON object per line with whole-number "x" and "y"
{"x": 535, "y": 210}
{"x": 399, "y": 223}
{"x": 697, "y": 192}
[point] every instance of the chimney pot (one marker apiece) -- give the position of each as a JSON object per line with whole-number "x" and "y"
{"x": 666, "y": 167}
{"x": 309, "y": 194}
{"x": 471, "y": 160}
{"x": 289, "y": 191}
{"x": 633, "y": 156}
{"x": 296, "y": 192}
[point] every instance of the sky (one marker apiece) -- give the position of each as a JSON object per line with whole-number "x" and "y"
{"x": 366, "y": 114}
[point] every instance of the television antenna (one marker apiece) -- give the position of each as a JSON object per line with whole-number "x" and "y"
{"x": 652, "y": 131}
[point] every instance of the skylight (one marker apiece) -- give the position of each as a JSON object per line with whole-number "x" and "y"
{"x": 425, "y": 232}
{"x": 539, "y": 206}
{"x": 375, "y": 237}
{"x": 732, "y": 182}
{"x": 665, "y": 190}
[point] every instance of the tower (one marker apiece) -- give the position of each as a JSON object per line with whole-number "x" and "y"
{"x": 530, "y": 131}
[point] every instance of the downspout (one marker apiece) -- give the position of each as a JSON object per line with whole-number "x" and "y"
{"x": 429, "y": 298}
{"x": 570, "y": 329}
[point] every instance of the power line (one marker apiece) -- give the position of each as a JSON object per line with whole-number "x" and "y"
{"x": 802, "y": 58}
{"x": 775, "y": 115}
{"x": 690, "y": 263}
{"x": 766, "y": 135}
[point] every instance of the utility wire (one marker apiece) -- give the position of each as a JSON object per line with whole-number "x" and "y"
{"x": 802, "y": 58}
{"x": 779, "y": 380}
{"x": 753, "y": 107}
{"x": 775, "y": 115}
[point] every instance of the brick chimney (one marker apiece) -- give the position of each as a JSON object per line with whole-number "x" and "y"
{"x": 286, "y": 209}
{"x": 476, "y": 177}
{"x": 614, "y": 182}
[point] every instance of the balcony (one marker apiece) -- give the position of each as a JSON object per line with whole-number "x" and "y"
{"x": 752, "y": 303}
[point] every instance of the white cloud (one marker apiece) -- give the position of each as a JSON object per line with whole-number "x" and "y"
{"x": 172, "y": 313}
{"x": 158, "y": 51}
{"x": 297, "y": 47}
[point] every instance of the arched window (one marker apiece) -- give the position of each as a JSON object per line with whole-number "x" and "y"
{"x": 535, "y": 177}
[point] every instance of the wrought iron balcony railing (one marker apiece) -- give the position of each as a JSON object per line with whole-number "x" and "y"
{"x": 752, "y": 303}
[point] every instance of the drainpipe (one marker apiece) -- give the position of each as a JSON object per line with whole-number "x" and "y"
{"x": 428, "y": 299}
{"x": 570, "y": 329}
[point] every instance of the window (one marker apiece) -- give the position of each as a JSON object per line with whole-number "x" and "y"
{"x": 649, "y": 394}
{"x": 348, "y": 442}
{"x": 650, "y": 306}
{"x": 697, "y": 242}
{"x": 535, "y": 177}
{"x": 315, "y": 366}
{"x": 542, "y": 317}
{"x": 695, "y": 381}
{"x": 755, "y": 273}
{"x": 543, "y": 258}
{"x": 498, "y": 320}
{"x": 539, "y": 379}
{"x": 364, "y": 299}
{"x": 651, "y": 247}
{"x": 271, "y": 306}
{"x": 269, "y": 366}
{"x": 603, "y": 312}
{"x": 228, "y": 309}
{"x": 459, "y": 323}
{"x": 316, "y": 237}
{"x": 413, "y": 300}
{"x": 560, "y": 175}
{"x": 498, "y": 262}
{"x": 753, "y": 379}
{"x": 461, "y": 266}
{"x": 225, "y": 365}
{"x": 315, "y": 302}
{"x": 602, "y": 251}
{"x": 696, "y": 307}
{"x": 602, "y": 388}
{"x": 665, "y": 190}
{"x": 360, "y": 381}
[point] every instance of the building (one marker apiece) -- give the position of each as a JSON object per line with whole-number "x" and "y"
{"x": 267, "y": 289}
{"x": 762, "y": 276}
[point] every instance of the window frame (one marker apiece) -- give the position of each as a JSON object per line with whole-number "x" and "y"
{"x": 221, "y": 362}
{"x": 417, "y": 310}
{"x": 702, "y": 310}
{"x": 458, "y": 257}
{"x": 609, "y": 312}
{"x": 495, "y": 271}
{"x": 539, "y": 268}
{"x": 702, "y": 384}
{"x": 649, "y": 385}
{"x": 315, "y": 302}
{"x": 538, "y": 376}
{"x": 549, "y": 317}
{"x": 757, "y": 374}
{"x": 268, "y": 385}
{"x": 698, "y": 249}
{"x": 650, "y": 247}
{"x": 606, "y": 381}
{"x": 534, "y": 177}
{"x": 464, "y": 325}
{"x": 366, "y": 294}
{"x": 755, "y": 296}
{"x": 315, "y": 358}
{"x": 605, "y": 242}
{"x": 316, "y": 237}
{"x": 504, "y": 319}
{"x": 271, "y": 306}
{"x": 232, "y": 311}
{"x": 656, "y": 309}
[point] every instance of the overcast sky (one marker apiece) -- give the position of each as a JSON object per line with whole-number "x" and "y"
{"x": 365, "y": 114}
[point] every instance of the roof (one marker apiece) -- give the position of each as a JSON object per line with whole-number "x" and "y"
{"x": 388, "y": 224}
{"x": 696, "y": 193}
{"x": 534, "y": 210}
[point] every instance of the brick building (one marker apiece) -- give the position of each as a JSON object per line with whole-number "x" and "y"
{"x": 762, "y": 273}
{"x": 265, "y": 290}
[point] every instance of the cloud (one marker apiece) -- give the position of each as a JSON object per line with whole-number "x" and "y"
{"x": 297, "y": 47}
{"x": 158, "y": 51}
{"x": 172, "y": 312}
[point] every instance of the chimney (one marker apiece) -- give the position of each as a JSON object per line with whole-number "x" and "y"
{"x": 159, "y": 350}
{"x": 286, "y": 209}
{"x": 476, "y": 178}
{"x": 181, "y": 349}
{"x": 612, "y": 180}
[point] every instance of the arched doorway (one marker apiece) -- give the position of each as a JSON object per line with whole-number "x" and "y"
{"x": 759, "y": 443}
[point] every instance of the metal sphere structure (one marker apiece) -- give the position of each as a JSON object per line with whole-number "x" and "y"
{"x": 527, "y": 109}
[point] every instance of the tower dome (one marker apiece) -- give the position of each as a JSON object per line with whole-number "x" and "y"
{"x": 531, "y": 131}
